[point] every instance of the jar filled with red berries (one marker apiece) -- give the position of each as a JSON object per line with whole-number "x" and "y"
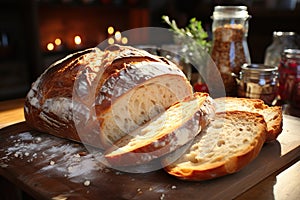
{"x": 289, "y": 77}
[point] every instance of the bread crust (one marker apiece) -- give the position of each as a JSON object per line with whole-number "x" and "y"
{"x": 48, "y": 104}
{"x": 131, "y": 75}
{"x": 232, "y": 164}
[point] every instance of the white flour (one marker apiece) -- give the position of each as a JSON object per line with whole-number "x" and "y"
{"x": 67, "y": 159}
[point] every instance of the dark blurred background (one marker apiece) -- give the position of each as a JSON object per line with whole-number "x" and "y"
{"x": 35, "y": 33}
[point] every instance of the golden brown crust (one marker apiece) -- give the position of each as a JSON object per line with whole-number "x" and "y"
{"x": 275, "y": 128}
{"x": 233, "y": 164}
{"x": 56, "y": 85}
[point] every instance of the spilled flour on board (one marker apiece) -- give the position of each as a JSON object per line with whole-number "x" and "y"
{"x": 59, "y": 158}
{"x": 70, "y": 160}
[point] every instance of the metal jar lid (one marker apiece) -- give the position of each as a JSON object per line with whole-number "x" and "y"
{"x": 291, "y": 53}
{"x": 221, "y": 12}
{"x": 282, "y": 33}
{"x": 259, "y": 68}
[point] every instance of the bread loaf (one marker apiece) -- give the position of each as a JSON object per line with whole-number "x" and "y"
{"x": 165, "y": 133}
{"x": 225, "y": 146}
{"x": 272, "y": 114}
{"x": 97, "y": 97}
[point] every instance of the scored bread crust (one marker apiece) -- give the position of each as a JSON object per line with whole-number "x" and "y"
{"x": 61, "y": 101}
{"x": 167, "y": 132}
{"x": 48, "y": 105}
{"x": 211, "y": 154}
{"x": 272, "y": 114}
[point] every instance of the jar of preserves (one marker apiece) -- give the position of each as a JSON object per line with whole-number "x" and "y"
{"x": 289, "y": 77}
{"x": 281, "y": 41}
{"x": 258, "y": 81}
{"x": 230, "y": 48}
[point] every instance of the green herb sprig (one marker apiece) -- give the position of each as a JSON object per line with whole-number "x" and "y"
{"x": 193, "y": 30}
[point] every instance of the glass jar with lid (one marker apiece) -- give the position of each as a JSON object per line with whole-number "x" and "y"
{"x": 230, "y": 48}
{"x": 258, "y": 81}
{"x": 281, "y": 41}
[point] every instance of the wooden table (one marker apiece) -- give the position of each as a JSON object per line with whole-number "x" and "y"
{"x": 40, "y": 168}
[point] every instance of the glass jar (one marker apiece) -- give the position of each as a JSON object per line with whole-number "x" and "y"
{"x": 289, "y": 77}
{"x": 230, "y": 48}
{"x": 281, "y": 41}
{"x": 258, "y": 81}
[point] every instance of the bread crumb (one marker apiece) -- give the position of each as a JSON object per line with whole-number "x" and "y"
{"x": 26, "y": 154}
{"x": 118, "y": 173}
{"x": 139, "y": 190}
{"x": 77, "y": 155}
{"x": 38, "y": 139}
{"x": 82, "y": 153}
{"x": 162, "y": 196}
{"x": 18, "y": 154}
{"x": 52, "y": 162}
{"x": 87, "y": 183}
{"x": 173, "y": 187}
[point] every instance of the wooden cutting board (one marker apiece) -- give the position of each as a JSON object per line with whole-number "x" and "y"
{"x": 48, "y": 167}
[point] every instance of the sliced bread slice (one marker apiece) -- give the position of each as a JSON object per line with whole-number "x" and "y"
{"x": 172, "y": 129}
{"x": 272, "y": 114}
{"x": 227, "y": 144}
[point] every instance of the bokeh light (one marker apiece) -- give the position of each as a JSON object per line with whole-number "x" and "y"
{"x": 50, "y": 46}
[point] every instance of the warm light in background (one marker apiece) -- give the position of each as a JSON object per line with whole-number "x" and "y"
{"x": 118, "y": 35}
{"x": 124, "y": 40}
{"x": 50, "y": 46}
{"x": 118, "y": 38}
{"x": 77, "y": 40}
{"x": 57, "y": 41}
{"x": 111, "y": 41}
{"x": 110, "y": 30}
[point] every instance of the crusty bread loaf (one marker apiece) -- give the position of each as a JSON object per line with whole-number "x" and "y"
{"x": 165, "y": 133}
{"x": 93, "y": 92}
{"x": 227, "y": 144}
{"x": 272, "y": 114}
